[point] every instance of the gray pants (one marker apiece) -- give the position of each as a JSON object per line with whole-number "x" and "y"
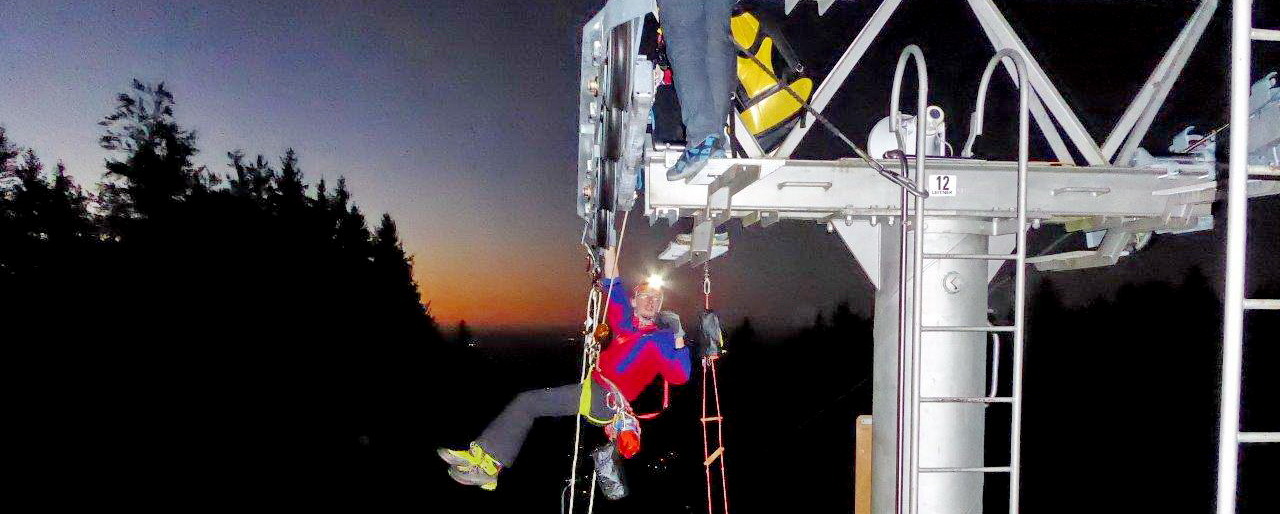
{"x": 505, "y": 435}
{"x": 703, "y": 60}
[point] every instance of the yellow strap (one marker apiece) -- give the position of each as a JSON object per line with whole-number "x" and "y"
{"x": 584, "y": 405}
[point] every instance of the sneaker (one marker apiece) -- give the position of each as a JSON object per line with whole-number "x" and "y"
{"x": 695, "y": 158}
{"x": 474, "y": 476}
{"x": 473, "y": 458}
{"x": 609, "y": 472}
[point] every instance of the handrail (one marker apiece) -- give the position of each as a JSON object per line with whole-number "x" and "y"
{"x": 1233, "y": 296}
{"x": 904, "y": 479}
{"x": 1019, "y": 306}
{"x": 975, "y": 124}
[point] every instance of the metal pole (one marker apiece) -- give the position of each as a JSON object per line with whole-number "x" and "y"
{"x": 922, "y": 104}
{"x": 1233, "y": 297}
{"x": 900, "y": 481}
{"x": 1020, "y": 277}
{"x": 1020, "y": 274}
{"x": 995, "y": 365}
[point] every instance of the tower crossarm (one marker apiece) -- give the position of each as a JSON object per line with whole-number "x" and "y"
{"x": 849, "y": 189}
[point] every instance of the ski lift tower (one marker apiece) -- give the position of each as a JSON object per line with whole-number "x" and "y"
{"x": 929, "y": 256}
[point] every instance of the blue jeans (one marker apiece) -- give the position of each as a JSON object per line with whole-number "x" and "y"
{"x": 703, "y": 62}
{"x": 506, "y": 434}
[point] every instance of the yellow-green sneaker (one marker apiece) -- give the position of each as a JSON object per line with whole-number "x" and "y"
{"x": 472, "y": 466}
{"x": 462, "y": 458}
{"x": 474, "y": 476}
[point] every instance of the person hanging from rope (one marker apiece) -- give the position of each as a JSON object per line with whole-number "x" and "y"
{"x": 701, "y": 51}
{"x": 646, "y": 342}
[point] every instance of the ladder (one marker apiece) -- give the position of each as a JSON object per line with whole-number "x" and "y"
{"x": 909, "y": 479}
{"x": 711, "y": 457}
{"x": 1235, "y": 304}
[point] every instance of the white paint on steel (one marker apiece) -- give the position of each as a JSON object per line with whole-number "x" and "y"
{"x": 911, "y": 454}
{"x": 863, "y": 240}
{"x": 1259, "y": 437}
{"x": 1255, "y": 304}
{"x": 1237, "y": 233}
{"x": 949, "y": 364}
{"x": 1002, "y": 244}
{"x": 1265, "y": 34}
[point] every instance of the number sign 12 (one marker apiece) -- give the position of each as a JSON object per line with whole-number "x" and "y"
{"x": 942, "y": 185}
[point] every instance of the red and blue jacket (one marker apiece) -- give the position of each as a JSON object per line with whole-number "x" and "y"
{"x": 637, "y": 355}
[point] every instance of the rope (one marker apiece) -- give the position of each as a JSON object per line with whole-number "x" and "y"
{"x": 590, "y": 355}
{"x": 709, "y": 456}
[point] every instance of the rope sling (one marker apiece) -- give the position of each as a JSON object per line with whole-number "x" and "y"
{"x": 595, "y": 328}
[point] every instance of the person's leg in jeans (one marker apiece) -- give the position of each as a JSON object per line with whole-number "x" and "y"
{"x": 505, "y": 435}
{"x": 720, "y": 58}
{"x": 702, "y": 56}
{"x": 684, "y": 25}
{"x": 499, "y": 444}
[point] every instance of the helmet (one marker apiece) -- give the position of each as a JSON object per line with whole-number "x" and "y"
{"x": 647, "y": 287}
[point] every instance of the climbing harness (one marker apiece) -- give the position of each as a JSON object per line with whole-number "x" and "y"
{"x": 666, "y": 402}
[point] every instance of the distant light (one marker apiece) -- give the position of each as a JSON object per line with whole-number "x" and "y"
{"x": 655, "y": 281}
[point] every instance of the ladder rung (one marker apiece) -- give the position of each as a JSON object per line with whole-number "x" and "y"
{"x": 712, "y": 418}
{"x": 967, "y": 329}
{"x": 1258, "y": 437}
{"x": 983, "y": 469}
{"x": 1265, "y": 34}
{"x": 1261, "y": 305}
{"x": 714, "y": 455}
{"x": 972, "y": 256}
{"x": 966, "y": 399}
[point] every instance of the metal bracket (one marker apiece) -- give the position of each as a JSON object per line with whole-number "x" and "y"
{"x": 1109, "y": 251}
{"x": 702, "y": 241}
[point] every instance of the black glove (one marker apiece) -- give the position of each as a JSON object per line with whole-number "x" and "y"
{"x": 671, "y": 321}
{"x": 712, "y": 334}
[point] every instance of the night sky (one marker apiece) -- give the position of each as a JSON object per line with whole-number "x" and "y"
{"x": 458, "y": 119}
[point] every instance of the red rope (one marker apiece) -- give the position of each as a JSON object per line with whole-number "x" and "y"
{"x": 709, "y": 456}
{"x": 706, "y": 449}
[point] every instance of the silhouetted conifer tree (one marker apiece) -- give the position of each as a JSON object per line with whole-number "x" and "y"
{"x": 156, "y": 168}
{"x": 463, "y": 336}
{"x": 743, "y": 337}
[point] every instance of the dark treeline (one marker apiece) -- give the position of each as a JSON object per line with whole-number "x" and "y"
{"x": 186, "y": 329}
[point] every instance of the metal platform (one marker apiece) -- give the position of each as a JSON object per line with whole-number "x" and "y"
{"x": 849, "y": 190}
